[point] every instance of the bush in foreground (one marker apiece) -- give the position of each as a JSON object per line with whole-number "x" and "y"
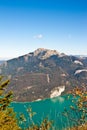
{"x": 8, "y": 119}
{"x": 79, "y": 108}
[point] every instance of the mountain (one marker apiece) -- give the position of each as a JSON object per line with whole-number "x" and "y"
{"x": 2, "y": 61}
{"x": 44, "y": 73}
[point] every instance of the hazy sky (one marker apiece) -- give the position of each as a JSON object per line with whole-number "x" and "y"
{"x": 26, "y": 25}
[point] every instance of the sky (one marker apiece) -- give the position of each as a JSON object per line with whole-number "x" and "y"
{"x": 26, "y": 25}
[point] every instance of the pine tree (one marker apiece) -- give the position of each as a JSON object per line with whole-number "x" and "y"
{"x": 8, "y": 119}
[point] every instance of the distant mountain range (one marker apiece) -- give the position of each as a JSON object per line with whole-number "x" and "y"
{"x": 80, "y": 56}
{"x": 44, "y": 73}
{"x": 2, "y": 61}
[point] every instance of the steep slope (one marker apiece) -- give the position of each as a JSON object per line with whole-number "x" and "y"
{"x": 44, "y": 73}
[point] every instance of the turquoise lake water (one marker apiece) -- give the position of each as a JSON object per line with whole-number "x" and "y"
{"x": 51, "y": 108}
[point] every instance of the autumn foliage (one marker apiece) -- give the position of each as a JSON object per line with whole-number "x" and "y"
{"x": 79, "y": 107}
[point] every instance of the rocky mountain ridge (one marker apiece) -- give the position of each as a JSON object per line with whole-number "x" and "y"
{"x": 44, "y": 73}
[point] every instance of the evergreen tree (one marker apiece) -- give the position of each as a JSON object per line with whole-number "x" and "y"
{"x": 8, "y": 119}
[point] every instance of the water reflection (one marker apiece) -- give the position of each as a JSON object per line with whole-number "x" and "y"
{"x": 58, "y": 99}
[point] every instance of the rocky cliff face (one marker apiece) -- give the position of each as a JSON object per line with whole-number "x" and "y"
{"x": 45, "y": 53}
{"x": 40, "y": 74}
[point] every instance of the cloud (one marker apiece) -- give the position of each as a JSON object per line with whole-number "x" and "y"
{"x": 39, "y": 36}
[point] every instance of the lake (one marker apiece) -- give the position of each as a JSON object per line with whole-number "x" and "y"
{"x": 51, "y": 108}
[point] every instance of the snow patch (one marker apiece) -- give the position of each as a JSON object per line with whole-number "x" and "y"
{"x": 78, "y": 62}
{"x": 79, "y": 71}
